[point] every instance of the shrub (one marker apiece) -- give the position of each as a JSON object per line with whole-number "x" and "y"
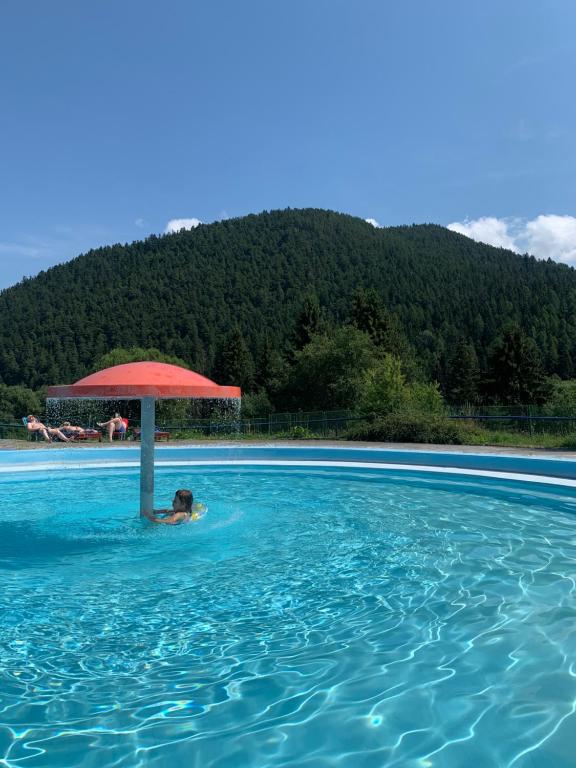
{"x": 255, "y": 405}
{"x": 298, "y": 433}
{"x": 385, "y": 390}
{"x": 562, "y": 399}
{"x": 327, "y": 373}
{"x": 410, "y": 428}
{"x": 384, "y": 387}
{"x": 18, "y": 401}
{"x": 424, "y": 399}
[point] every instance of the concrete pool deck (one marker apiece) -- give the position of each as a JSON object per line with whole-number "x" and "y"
{"x": 488, "y": 450}
{"x": 526, "y": 465}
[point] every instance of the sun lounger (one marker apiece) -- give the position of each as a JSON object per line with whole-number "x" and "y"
{"x": 159, "y": 434}
{"x": 89, "y": 434}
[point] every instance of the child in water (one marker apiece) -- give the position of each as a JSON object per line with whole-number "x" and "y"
{"x": 183, "y": 510}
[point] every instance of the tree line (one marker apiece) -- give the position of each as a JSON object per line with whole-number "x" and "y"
{"x": 257, "y": 301}
{"x": 368, "y": 361}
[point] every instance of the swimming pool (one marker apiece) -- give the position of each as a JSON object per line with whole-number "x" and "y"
{"x": 328, "y": 612}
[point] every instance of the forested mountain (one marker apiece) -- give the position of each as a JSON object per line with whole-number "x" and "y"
{"x": 185, "y": 293}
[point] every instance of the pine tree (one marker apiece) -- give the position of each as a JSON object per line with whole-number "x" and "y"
{"x": 565, "y": 360}
{"x": 309, "y": 321}
{"x": 516, "y": 376}
{"x": 233, "y": 364}
{"x": 462, "y": 374}
{"x": 271, "y": 369}
{"x": 435, "y": 285}
{"x": 369, "y": 314}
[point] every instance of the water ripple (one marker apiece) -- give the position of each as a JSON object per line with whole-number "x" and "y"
{"x": 314, "y": 619}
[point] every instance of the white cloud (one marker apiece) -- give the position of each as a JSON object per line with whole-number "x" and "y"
{"x": 487, "y": 230}
{"x": 175, "y": 225}
{"x": 552, "y": 237}
{"x": 546, "y": 237}
{"x": 141, "y": 223}
{"x": 373, "y": 222}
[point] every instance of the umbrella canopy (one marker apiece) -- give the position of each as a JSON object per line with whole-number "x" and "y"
{"x": 132, "y": 381}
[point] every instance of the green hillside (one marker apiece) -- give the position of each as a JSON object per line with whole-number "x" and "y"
{"x": 183, "y": 293}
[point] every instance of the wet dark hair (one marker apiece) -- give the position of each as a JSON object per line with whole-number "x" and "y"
{"x": 186, "y": 497}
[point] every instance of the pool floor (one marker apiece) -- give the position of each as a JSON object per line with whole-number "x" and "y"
{"x": 316, "y": 617}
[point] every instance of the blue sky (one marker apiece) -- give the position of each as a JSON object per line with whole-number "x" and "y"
{"x": 118, "y": 117}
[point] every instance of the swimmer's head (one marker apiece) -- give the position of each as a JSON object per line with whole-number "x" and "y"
{"x": 31, "y": 417}
{"x": 66, "y": 424}
{"x": 183, "y": 500}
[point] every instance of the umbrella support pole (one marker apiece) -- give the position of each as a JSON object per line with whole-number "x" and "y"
{"x": 148, "y": 416}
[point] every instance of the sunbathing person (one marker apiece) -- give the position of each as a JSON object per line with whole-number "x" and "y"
{"x": 116, "y": 423}
{"x": 33, "y": 425}
{"x": 69, "y": 429}
{"x": 183, "y": 510}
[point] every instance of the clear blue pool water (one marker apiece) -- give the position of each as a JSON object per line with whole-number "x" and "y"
{"x": 318, "y": 618}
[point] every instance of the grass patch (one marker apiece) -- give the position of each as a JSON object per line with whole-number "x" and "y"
{"x": 417, "y": 428}
{"x": 513, "y": 439}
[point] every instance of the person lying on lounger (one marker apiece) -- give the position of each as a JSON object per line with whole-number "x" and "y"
{"x": 33, "y": 425}
{"x": 70, "y": 429}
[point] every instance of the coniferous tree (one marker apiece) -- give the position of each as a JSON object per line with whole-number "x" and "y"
{"x": 119, "y": 356}
{"x": 462, "y": 374}
{"x": 369, "y": 314}
{"x": 515, "y": 374}
{"x": 233, "y": 364}
{"x": 308, "y": 322}
{"x": 565, "y": 360}
{"x": 270, "y": 367}
{"x": 182, "y": 293}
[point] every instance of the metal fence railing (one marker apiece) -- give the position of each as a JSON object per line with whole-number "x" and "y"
{"x": 525, "y": 419}
{"x": 313, "y": 424}
{"x": 10, "y": 430}
{"x": 532, "y": 419}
